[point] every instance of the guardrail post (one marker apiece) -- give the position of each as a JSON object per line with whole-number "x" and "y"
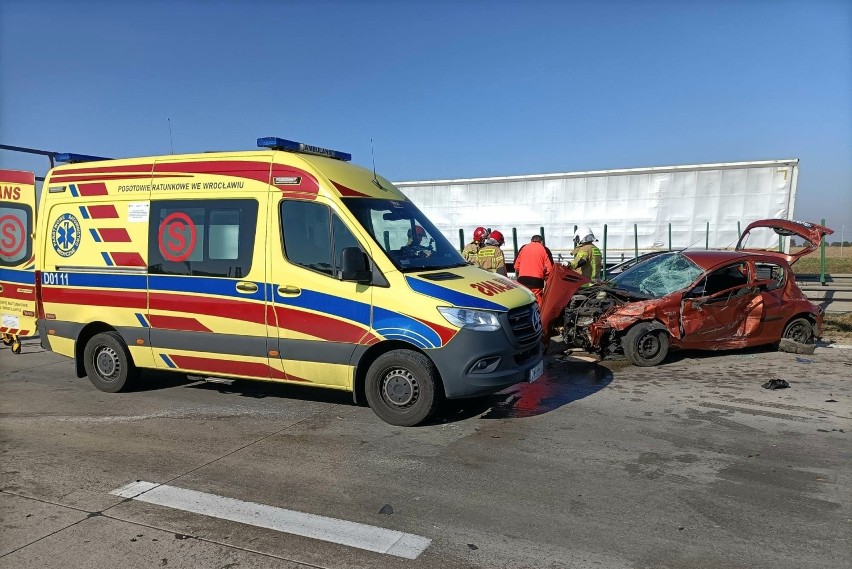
{"x": 541, "y": 232}
{"x": 707, "y": 237}
{"x": 515, "y": 241}
{"x": 461, "y": 239}
{"x": 780, "y": 244}
{"x": 603, "y": 267}
{"x": 822, "y": 258}
{"x": 739, "y": 233}
{"x": 635, "y": 241}
{"x": 670, "y": 236}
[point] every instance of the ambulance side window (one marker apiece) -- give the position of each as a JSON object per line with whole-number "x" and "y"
{"x": 307, "y": 235}
{"x": 314, "y": 237}
{"x": 343, "y": 238}
{"x": 212, "y": 238}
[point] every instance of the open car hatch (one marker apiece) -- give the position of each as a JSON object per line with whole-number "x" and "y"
{"x": 810, "y": 232}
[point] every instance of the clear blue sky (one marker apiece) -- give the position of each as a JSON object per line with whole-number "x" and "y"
{"x": 446, "y": 89}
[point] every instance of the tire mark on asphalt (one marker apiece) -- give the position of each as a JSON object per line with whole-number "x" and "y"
{"x": 756, "y": 412}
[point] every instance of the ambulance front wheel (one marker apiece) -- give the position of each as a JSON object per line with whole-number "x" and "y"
{"x": 402, "y": 387}
{"x": 108, "y": 363}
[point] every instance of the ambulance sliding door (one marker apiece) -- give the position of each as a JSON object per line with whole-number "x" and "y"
{"x": 17, "y": 263}
{"x": 207, "y": 293}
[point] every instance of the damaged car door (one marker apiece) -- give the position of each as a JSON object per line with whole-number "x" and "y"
{"x": 721, "y": 309}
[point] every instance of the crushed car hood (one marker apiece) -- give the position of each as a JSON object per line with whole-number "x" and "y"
{"x": 810, "y": 232}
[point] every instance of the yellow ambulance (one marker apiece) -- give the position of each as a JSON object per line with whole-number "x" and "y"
{"x": 285, "y": 264}
{"x": 17, "y": 265}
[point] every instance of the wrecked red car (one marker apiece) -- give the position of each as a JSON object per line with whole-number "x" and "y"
{"x": 699, "y": 299}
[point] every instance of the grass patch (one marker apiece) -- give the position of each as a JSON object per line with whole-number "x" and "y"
{"x": 835, "y": 262}
{"x": 837, "y": 327}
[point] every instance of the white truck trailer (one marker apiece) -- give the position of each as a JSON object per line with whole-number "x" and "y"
{"x": 701, "y": 205}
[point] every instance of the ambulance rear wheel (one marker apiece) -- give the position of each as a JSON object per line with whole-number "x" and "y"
{"x": 108, "y": 363}
{"x": 402, "y": 388}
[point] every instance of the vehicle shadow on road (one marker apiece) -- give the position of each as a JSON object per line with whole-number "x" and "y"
{"x": 262, "y": 389}
{"x": 676, "y": 356}
{"x": 564, "y": 381}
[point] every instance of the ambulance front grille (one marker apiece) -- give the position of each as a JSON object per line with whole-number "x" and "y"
{"x": 525, "y": 323}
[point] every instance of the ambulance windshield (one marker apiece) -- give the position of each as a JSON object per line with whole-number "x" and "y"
{"x": 405, "y": 234}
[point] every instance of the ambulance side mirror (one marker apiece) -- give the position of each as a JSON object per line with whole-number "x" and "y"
{"x": 354, "y": 266}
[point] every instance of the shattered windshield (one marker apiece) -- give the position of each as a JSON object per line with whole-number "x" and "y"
{"x": 659, "y": 276}
{"x": 410, "y": 240}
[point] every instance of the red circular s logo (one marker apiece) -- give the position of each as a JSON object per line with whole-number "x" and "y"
{"x": 177, "y": 237}
{"x": 12, "y": 235}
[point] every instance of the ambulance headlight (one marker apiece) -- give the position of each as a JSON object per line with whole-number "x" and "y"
{"x": 481, "y": 320}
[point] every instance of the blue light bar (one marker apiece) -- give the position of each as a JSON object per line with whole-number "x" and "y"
{"x": 72, "y": 158}
{"x": 292, "y": 146}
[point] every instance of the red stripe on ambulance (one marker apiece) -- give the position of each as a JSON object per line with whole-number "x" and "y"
{"x": 93, "y": 189}
{"x": 248, "y": 369}
{"x": 102, "y": 212}
{"x": 128, "y": 259}
{"x": 18, "y": 177}
{"x": 445, "y": 333}
{"x": 16, "y": 291}
{"x": 95, "y": 297}
{"x": 115, "y": 235}
{"x": 209, "y": 306}
{"x": 177, "y": 323}
{"x": 14, "y": 331}
{"x": 320, "y": 326}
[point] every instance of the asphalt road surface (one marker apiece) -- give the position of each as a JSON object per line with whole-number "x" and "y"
{"x": 691, "y": 464}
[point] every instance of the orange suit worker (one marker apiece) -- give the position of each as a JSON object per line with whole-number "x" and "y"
{"x": 533, "y": 265}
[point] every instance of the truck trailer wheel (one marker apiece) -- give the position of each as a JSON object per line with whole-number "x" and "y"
{"x": 108, "y": 363}
{"x": 645, "y": 345}
{"x": 401, "y": 388}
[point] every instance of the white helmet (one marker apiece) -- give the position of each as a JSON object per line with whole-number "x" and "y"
{"x": 583, "y": 235}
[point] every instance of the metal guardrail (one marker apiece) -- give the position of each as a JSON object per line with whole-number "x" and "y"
{"x": 608, "y": 261}
{"x": 832, "y": 292}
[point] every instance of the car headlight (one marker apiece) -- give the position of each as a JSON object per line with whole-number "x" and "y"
{"x": 481, "y": 320}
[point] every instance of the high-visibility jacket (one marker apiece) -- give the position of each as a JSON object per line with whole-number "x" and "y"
{"x": 491, "y": 258}
{"x": 470, "y": 251}
{"x": 592, "y": 268}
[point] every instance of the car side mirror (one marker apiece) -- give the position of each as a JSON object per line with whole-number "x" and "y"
{"x": 354, "y": 266}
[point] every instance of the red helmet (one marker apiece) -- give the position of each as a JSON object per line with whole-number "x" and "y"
{"x": 419, "y": 233}
{"x": 497, "y": 236}
{"x": 480, "y": 233}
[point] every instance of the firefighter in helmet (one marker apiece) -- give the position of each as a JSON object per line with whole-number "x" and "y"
{"x": 587, "y": 257}
{"x": 415, "y": 246}
{"x": 471, "y": 250}
{"x": 490, "y": 257}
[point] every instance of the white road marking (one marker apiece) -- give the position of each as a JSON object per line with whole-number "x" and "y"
{"x": 353, "y": 534}
{"x": 837, "y": 346}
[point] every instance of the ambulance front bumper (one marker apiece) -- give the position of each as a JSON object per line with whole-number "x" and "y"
{"x": 478, "y": 363}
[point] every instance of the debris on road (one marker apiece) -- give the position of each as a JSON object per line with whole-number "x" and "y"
{"x": 793, "y": 347}
{"x": 775, "y": 384}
